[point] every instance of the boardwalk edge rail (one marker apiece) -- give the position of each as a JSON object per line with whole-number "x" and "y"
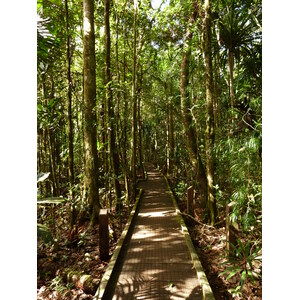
{"x": 114, "y": 259}
{"x": 206, "y": 289}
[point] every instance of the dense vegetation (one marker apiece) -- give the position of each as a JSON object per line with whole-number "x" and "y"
{"x": 121, "y": 83}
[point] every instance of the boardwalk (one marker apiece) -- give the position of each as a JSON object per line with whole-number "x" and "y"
{"x": 156, "y": 263}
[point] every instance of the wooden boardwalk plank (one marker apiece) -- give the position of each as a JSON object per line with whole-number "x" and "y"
{"x": 157, "y": 263}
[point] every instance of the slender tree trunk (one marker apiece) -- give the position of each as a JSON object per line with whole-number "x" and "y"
{"x": 42, "y": 151}
{"x": 52, "y": 162}
{"x": 217, "y": 87}
{"x": 45, "y": 162}
{"x": 230, "y": 66}
{"x": 39, "y": 160}
{"x": 140, "y": 149}
{"x": 118, "y": 81}
{"x": 47, "y": 188}
{"x": 134, "y": 106}
{"x": 113, "y": 150}
{"x": 168, "y": 129}
{"x": 171, "y": 131}
{"x": 57, "y": 148}
{"x": 125, "y": 114}
{"x": 190, "y": 130}
{"x": 51, "y": 140}
{"x": 70, "y": 122}
{"x": 89, "y": 73}
{"x": 209, "y": 133}
{"x": 217, "y": 91}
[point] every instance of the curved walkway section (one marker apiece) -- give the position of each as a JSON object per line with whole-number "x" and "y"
{"x": 156, "y": 263}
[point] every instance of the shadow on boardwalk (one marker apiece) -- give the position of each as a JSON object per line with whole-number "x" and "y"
{"x": 155, "y": 263}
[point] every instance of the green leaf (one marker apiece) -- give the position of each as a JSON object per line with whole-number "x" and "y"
{"x": 233, "y": 273}
{"x": 251, "y": 276}
{"x": 243, "y": 278}
{"x": 39, "y": 5}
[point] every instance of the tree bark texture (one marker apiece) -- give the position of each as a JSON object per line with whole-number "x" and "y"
{"x": 230, "y": 66}
{"x": 171, "y": 144}
{"x": 190, "y": 131}
{"x": 134, "y": 107}
{"x": 118, "y": 119}
{"x": 70, "y": 121}
{"x": 113, "y": 150}
{"x": 141, "y": 158}
{"x": 125, "y": 114}
{"x": 89, "y": 92}
{"x": 210, "y": 127}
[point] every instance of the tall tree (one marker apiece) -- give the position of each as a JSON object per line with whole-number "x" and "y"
{"x": 69, "y": 115}
{"x": 134, "y": 103}
{"x": 210, "y": 126}
{"x": 171, "y": 146}
{"x": 113, "y": 150}
{"x": 125, "y": 111}
{"x": 236, "y": 32}
{"x": 190, "y": 130}
{"x": 89, "y": 92}
{"x": 139, "y": 124}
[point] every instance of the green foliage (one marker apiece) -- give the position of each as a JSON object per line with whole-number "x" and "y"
{"x": 44, "y": 233}
{"x": 180, "y": 189}
{"x": 242, "y": 263}
{"x": 238, "y": 176}
{"x": 57, "y": 284}
{"x": 161, "y": 35}
{"x": 82, "y": 239}
{"x": 236, "y": 29}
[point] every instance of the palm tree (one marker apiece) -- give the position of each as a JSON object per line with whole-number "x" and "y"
{"x": 236, "y": 33}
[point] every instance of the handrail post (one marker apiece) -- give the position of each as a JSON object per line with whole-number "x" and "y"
{"x": 103, "y": 234}
{"x": 190, "y": 198}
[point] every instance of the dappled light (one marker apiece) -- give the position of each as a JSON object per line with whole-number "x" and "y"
{"x": 149, "y": 149}
{"x": 157, "y": 262}
{"x": 86, "y": 25}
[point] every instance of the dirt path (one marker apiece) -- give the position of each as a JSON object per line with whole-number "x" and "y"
{"x": 156, "y": 263}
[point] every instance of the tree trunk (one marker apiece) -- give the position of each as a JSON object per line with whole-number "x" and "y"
{"x": 209, "y": 133}
{"x": 46, "y": 183}
{"x": 217, "y": 87}
{"x": 70, "y": 122}
{"x": 141, "y": 159}
{"x": 51, "y": 140}
{"x": 39, "y": 160}
{"x": 89, "y": 92}
{"x": 113, "y": 150}
{"x": 171, "y": 130}
{"x": 190, "y": 131}
{"x": 134, "y": 107}
{"x": 118, "y": 121}
{"x": 52, "y": 162}
{"x": 125, "y": 120}
{"x": 230, "y": 66}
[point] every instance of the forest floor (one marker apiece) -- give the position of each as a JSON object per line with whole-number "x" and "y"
{"x": 209, "y": 243}
{"x": 62, "y": 267}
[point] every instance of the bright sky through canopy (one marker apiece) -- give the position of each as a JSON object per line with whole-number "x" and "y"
{"x": 155, "y": 3}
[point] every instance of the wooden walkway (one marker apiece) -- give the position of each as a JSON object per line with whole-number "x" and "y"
{"x": 156, "y": 263}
